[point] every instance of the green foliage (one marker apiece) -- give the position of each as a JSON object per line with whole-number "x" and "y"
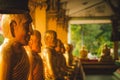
{"x": 1, "y": 39}
{"x": 93, "y": 36}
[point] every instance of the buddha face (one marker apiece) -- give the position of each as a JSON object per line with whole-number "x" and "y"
{"x": 22, "y": 29}
{"x": 50, "y": 38}
{"x": 17, "y": 27}
{"x": 35, "y": 43}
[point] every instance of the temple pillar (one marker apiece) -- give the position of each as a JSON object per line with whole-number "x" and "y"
{"x": 52, "y": 14}
{"x": 51, "y": 21}
{"x": 115, "y": 37}
{"x": 62, "y": 29}
{"x": 38, "y": 12}
{"x": 48, "y": 15}
{"x": 116, "y": 46}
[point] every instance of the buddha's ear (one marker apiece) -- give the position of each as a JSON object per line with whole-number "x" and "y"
{"x": 12, "y": 27}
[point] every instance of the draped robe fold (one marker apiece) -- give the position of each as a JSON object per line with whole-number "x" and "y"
{"x": 14, "y": 63}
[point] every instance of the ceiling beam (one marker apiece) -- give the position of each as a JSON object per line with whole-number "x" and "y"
{"x": 96, "y": 4}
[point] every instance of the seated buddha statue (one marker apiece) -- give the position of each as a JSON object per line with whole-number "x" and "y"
{"x": 105, "y": 54}
{"x": 83, "y": 53}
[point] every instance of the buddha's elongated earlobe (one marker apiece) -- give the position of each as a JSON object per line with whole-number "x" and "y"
{"x": 12, "y": 27}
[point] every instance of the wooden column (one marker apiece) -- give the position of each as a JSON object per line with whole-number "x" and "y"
{"x": 52, "y": 14}
{"x": 51, "y": 20}
{"x": 62, "y": 27}
{"x": 38, "y": 12}
{"x": 116, "y": 45}
{"x": 115, "y": 34}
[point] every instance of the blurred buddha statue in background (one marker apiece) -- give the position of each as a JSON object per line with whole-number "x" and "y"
{"x": 36, "y": 63}
{"x": 83, "y": 53}
{"x": 64, "y": 70}
{"x": 68, "y": 55}
{"x": 105, "y": 54}
{"x": 49, "y": 55}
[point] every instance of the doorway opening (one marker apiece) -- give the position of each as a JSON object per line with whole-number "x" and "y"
{"x": 91, "y": 33}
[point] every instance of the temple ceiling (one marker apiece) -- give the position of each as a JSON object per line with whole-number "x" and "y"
{"x": 89, "y": 8}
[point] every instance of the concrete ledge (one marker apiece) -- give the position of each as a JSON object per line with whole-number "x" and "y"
{"x": 95, "y": 67}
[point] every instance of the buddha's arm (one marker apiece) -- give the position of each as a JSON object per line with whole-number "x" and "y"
{"x": 49, "y": 63}
{"x": 5, "y": 66}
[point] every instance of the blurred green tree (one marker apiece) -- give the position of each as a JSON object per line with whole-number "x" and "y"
{"x": 90, "y": 35}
